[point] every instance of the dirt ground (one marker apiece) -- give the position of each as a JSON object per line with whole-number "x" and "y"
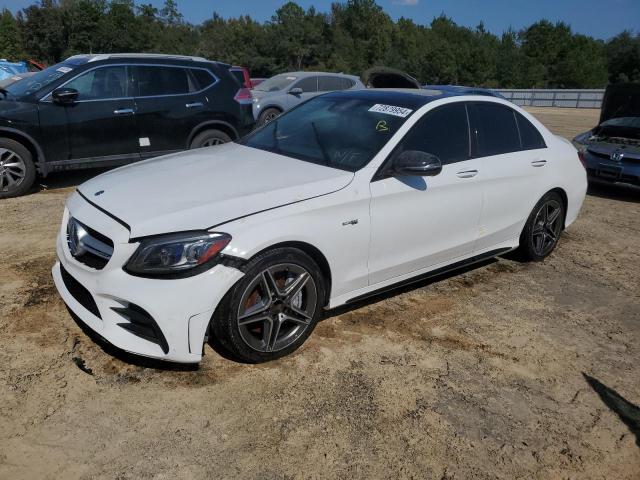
{"x": 508, "y": 370}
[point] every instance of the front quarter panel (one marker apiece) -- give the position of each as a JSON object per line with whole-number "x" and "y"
{"x": 336, "y": 224}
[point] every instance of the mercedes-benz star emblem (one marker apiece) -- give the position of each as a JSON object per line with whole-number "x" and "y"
{"x": 75, "y": 232}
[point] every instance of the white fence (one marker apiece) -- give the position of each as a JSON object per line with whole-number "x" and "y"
{"x": 554, "y": 98}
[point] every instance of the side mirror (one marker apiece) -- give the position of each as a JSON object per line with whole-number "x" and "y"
{"x": 64, "y": 96}
{"x": 296, "y": 91}
{"x": 416, "y": 162}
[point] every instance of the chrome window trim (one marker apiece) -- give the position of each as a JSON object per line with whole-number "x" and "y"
{"x": 46, "y": 98}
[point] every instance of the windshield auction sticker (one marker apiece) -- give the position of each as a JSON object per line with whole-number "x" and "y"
{"x": 391, "y": 110}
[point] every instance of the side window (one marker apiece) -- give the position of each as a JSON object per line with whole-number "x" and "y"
{"x": 496, "y": 129}
{"x": 443, "y": 132}
{"x": 327, "y": 84}
{"x": 203, "y": 78}
{"x": 101, "y": 84}
{"x": 155, "y": 81}
{"x": 529, "y": 135}
{"x": 309, "y": 84}
{"x": 347, "y": 83}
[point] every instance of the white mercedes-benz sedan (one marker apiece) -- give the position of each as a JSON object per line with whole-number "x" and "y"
{"x": 346, "y": 195}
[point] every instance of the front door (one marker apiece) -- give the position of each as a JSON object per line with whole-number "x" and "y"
{"x": 309, "y": 87}
{"x": 421, "y": 222}
{"x": 101, "y": 122}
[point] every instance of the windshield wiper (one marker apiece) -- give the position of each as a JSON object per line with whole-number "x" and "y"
{"x": 5, "y": 92}
{"x": 327, "y": 159}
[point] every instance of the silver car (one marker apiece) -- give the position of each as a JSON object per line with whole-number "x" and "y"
{"x": 282, "y": 92}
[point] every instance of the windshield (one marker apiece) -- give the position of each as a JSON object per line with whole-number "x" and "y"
{"x": 338, "y": 131}
{"x": 40, "y": 79}
{"x": 276, "y": 83}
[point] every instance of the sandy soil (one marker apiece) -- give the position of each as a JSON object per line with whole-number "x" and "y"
{"x": 508, "y": 370}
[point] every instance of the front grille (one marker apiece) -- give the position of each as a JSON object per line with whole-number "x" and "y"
{"x": 88, "y": 246}
{"x": 81, "y": 294}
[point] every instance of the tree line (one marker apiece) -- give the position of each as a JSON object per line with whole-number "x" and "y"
{"x": 353, "y": 36}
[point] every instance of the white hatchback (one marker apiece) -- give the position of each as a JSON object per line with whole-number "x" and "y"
{"x": 346, "y": 195}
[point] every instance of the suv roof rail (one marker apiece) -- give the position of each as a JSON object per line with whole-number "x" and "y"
{"x": 106, "y": 56}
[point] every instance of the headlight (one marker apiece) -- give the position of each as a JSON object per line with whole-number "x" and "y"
{"x": 178, "y": 255}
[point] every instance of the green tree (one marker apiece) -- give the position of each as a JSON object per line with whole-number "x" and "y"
{"x": 43, "y": 32}
{"x": 10, "y": 41}
{"x": 623, "y": 57}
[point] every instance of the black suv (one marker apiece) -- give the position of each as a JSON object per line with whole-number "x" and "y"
{"x": 112, "y": 109}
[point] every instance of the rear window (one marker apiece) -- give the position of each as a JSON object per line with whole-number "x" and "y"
{"x": 347, "y": 83}
{"x": 154, "y": 81}
{"x": 529, "y": 135}
{"x": 239, "y": 76}
{"x": 203, "y": 78}
{"x": 497, "y": 129}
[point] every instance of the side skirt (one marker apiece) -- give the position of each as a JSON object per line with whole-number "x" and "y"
{"x": 433, "y": 273}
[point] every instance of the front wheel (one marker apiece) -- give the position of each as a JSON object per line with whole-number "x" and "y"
{"x": 268, "y": 115}
{"x": 273, "y": 309}
{"x": 17, "y": 170}
{"x": 543, "y": 228}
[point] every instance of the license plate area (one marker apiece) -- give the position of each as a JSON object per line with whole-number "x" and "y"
{"x": 610, "y": 172}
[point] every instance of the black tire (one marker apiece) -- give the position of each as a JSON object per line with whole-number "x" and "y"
{"x": 541, "y": 233}
{"x": 209, "y": 138}
{"x": 14, "y": 153}
{"x": 246, "y": 343}
{"x": 268, "y": 115}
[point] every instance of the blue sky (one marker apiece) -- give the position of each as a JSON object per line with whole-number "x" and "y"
{"x": 598, "y": 18}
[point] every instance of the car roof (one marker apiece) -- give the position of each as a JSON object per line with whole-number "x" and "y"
{"x": 141, "y": 56}
{"x": 309, "y": 74}
{"x": 405, "y": 97}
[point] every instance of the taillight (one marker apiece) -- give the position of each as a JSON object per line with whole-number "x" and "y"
{"x": 583, "y": 160}
{"x": 243, "y": 96}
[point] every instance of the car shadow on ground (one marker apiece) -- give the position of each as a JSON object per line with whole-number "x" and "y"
{"x": 624, "y": 193}
{"x": 72, "y": 178}
{"x": 628, "y": 413}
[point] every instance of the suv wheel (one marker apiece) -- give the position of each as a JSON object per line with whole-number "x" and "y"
{"x": 209, "y": 138}
{"x": 17, "y": 170}
{"x": 268, "y": 115}
{"x": 543, "y": 228}
{"x": 273, "y": 309}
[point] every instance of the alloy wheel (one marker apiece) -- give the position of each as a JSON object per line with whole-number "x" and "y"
{"x": 270, "y": 117}
{"x": 12, "y": 170}
{"x": 277, "y": 307}
{"x": 546, "y": 227}
{"x": 210, "y": 142}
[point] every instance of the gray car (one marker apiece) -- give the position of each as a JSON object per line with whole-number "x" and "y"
{"x": 611, "y": 151}
{"x": 282, "y": 92}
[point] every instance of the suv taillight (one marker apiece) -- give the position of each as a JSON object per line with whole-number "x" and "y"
{"x": 243, "y": 96}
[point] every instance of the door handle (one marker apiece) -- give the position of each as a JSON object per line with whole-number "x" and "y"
{"x": 467, "y": 173}
{"x": 123, "y": 111}
{"x": 539, "y": 163}
{"x": 194, "y": 105}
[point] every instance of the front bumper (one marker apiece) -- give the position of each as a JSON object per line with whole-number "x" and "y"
{"x": 180, "y": 309}
{"x": 609, "y": 171}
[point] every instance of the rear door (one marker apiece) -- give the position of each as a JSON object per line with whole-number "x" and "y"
{"x": 169, "y": 105}
{"x": 513, "y": 160}
{"x": 420, "y": 222}
{"x": 100, "y": 125}
{"x": 309, "y": 86}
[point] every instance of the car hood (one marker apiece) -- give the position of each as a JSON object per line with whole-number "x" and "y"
{"x": 620, "y": 100}
{"x": 207, "y": 187}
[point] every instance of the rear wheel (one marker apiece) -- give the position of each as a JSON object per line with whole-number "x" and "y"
{"x": 17, "y": 170}
{"x": 268, "y": 115}
{"x": 543, "y": 228}
{"x": 272, "y": 310}
{"x": 209, "y": 138}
